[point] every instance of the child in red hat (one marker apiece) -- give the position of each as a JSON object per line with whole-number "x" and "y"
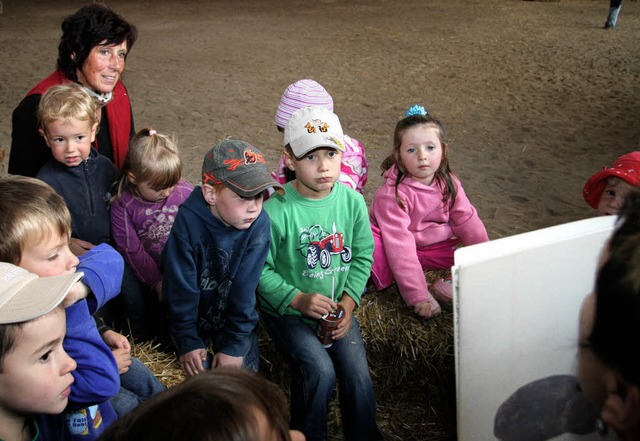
{"x": 605, "y": 191}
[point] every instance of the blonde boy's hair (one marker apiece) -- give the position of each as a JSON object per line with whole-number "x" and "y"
{"x": 30, "y": 210}
{"x": 65, "y": 102}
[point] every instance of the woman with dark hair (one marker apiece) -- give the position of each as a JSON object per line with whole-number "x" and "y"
{"x": 93, "y": 50}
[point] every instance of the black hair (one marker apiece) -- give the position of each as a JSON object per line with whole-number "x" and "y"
{"x": 615, "y": 337}
{"x": 91, "y": 25}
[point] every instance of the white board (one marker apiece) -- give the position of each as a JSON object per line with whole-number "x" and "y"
{"x": 516, "y": 305}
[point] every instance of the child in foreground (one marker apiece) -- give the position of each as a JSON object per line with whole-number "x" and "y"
{"x": 319, "y": 259}
{"x": 420, "y": 215}
{"x": 213, "y": 258}
{"x": 607, "y": 189}
{"x": 36, "y": 229}
{"x": 35, "y": 371}
{"x": 609, "y": 331}
{"x": 37, "y": 226}
{"x": 305, "y": 93}
{"x": 225, "y": 404}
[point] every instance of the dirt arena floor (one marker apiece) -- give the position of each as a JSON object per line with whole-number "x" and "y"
{"x": 535, "y": 95}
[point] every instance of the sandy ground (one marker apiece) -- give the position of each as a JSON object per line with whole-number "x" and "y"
{"x": 535, "y": 96}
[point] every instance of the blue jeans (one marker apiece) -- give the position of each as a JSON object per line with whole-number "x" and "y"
{"x": 314, "y": 370}
{"x": 138, "y": 384}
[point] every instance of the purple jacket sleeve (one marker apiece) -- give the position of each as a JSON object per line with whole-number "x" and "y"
{"x": 130, "y": 245}
{"x": 103, "y": 267}
{"x": 96, "y": 379}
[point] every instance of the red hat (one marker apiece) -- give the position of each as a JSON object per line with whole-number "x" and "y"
{"x": 626, "y": 167}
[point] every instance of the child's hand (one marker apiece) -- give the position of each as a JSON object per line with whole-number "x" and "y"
{"x": 115, "y": 340}
{"x": 343, "y": 327}
{"x": 123, "y": 358}
{"x": 191, "y": 362}
{"x": 425, "y": 309}
{"x": 77, "y": 292}
{"x": 313, "y": 305}
{"x": 79, "y": 247}
{"x": 222, "y": 360}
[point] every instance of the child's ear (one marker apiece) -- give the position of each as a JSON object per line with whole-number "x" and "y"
{"x": 209, "y": 194}
{"x": 621, "y": 407}
{"x": 44, "y": 135}
{"x": 288, "y": 160}
{"x": 94, "y": 129}
{"x": 132, "y": 178}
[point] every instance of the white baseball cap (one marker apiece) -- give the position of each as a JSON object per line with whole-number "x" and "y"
{"x": 313, "y": 127}
{"x": 25, "y": 296}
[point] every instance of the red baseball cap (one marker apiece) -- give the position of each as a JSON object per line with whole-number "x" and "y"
{"x": 626, "y": 167}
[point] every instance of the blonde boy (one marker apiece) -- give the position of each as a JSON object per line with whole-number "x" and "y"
{"x": 68, "y": 121}
{"x": 35, "y": 371}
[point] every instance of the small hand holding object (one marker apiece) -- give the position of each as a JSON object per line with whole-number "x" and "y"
{"x": 313, "y": 305}
{"x": 345, "y": 324}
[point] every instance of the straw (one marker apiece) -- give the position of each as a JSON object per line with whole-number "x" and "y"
{"x": 333, "y": 281}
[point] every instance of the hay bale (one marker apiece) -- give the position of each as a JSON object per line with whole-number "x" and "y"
{"x": 411, "y": 362}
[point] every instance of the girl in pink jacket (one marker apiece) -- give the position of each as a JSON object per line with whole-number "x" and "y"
{"x": 420, "y": 215}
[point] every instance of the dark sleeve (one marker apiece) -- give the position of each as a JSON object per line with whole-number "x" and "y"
{"x": 29, "y": 150}
{"x": 241, "y": 313}
{"x": 180, "y": 287}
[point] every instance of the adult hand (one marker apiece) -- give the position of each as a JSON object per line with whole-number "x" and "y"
{"x": 191, "y": 362}
{"x": 313, "y": 305}
{"x": 223, "y": 360}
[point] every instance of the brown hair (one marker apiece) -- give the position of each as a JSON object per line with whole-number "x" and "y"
{"x": 29, "y": 210}
{"x": 217, "y": 405}
{"x": 443, "y": 175}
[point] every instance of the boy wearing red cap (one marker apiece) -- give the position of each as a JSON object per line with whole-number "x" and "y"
{"x": 606, "y": 190}
{"x": 213, "y": 260}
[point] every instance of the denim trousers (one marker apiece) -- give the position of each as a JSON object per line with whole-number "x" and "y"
{"x": 314, "y": 370}
{"x": 138, "y": 384}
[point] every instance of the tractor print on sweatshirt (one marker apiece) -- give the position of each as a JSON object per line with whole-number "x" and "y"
{"x": 318, "y": 245}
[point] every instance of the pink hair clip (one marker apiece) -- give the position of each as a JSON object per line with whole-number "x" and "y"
{"x": 152, "y": 132}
